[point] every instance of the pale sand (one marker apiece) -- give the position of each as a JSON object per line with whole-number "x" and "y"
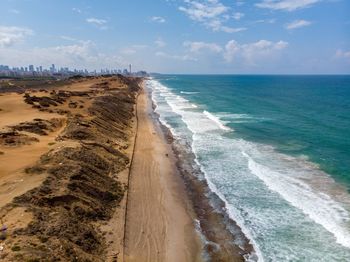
{"x": 13, "y": 180}
{"x": 159, "y": 224}
{"x": 13, "y": 110}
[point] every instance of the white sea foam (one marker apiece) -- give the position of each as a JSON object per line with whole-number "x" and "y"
{"x": 233, "y": 116}
{"x": 239, "y": 118}
{"x": 180, "y": 106}
{"x": 234, "y": 215}
{"x": 216, "y": 120}
{"x": 202, "y": 122}
{"x": 247, "y": 175}
{"x": 188, "y": 93}
{"x": 319, "y": 206}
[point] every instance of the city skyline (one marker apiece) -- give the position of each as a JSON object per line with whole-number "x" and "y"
{"x": 180, "y": 36}
{"x": 31, "y": 70}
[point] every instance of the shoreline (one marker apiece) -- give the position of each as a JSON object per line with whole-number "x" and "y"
{"x": 223, "y": 238}
{"x": 159, "y": 217}
{"x": 106, "y": 182}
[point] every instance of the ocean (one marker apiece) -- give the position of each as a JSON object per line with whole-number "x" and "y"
{"x": 275, "y": 149}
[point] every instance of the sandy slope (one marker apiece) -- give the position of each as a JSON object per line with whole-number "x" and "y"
{"x": 107, "y": 149}
{"x": 13, "y": 181}
{"x": 159, "y": 223}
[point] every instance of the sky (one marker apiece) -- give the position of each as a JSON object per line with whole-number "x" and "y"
{"x": 179, "y": 36}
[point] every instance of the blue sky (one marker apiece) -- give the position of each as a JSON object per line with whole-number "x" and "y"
{"x": 179, "y": 36}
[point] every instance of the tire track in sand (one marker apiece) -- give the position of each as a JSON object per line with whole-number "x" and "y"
{"x": 158, "y": 224}
{"x": 145, "y": 218}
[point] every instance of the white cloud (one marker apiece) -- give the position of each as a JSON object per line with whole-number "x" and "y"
{"x": 211, "y": 13}
{"x": 230, "y": 29}
{"x": 252, "y": 52}
{"x": 238, "y": 16}
{"x": 132, "y": 49}
{"x": 10, "y": 35}
{"x": 175, "y": 57}
{"x": 216, "y": 26}
{"x": 158, "y": 19}
{"x": 201, "y": 11}
{"x": 342, "y": 54}
{"x": 297, "y": 24}
{"x": 267, "y": 21}
{"x": 286, "y": 5}
{"x": 77, "y": 10}
{"x": 78, "y": 50}
{"x": 160, "y": 42}
{"x": 232, "y": 48}
{"x": 249, "y": 54}
{"x": 79, "y": 55}
{"x": 96, "y": 21}
{"x": 100, "y": 23}
{"x": 196, "y": 47}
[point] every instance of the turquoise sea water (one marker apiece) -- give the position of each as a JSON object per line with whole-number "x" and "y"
{"x": 276, "y": 150}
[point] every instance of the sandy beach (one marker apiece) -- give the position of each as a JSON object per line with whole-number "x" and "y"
{"x": 87, "y": 172}
{"x": 159, "y": 216}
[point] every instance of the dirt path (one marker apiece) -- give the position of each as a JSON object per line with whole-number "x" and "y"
{"x": 159, "y": 225}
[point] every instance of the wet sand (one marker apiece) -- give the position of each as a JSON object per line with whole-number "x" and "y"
{"x": 159, "y": 221}
{"x": 222, "y": 239}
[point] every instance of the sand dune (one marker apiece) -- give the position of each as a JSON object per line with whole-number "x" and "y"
{"x": 65, "y": 165}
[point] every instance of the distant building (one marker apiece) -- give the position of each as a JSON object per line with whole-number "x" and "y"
{"x": 53, "y": 68}
{"x": 60, "y": 72}
{"x": 4, "y": 68}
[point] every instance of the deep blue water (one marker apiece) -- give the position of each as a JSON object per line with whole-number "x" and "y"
{"x": 276, "y": 149}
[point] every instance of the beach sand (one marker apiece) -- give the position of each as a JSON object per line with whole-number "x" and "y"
{"x": 102, "y": 183}
{"x": 159, "y": 216}
{"x": 13, "y": 181}
{"x": 38, "y": 206}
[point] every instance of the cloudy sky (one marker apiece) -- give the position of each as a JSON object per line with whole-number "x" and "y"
{"x": 179, "y": 36}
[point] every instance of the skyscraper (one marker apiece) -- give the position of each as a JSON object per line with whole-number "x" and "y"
{"x": 52, "y": 68}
